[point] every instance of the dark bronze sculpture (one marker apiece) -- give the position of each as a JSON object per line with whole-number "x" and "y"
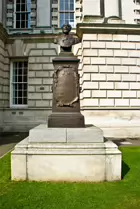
{"x": 66, "y": 41}
{"x": 66, "y": 89}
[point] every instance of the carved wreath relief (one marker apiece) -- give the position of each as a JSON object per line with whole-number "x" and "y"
{"x": 66, "y": 85}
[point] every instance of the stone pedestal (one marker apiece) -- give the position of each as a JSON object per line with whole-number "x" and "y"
{"x": 66, "y": 89}
{"x": 66, "y": 154}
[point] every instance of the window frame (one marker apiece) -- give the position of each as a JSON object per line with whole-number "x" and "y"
{"x": 11, "y": 84}
{"x": 67, "y": 11}
{"x": 29, "y": 17}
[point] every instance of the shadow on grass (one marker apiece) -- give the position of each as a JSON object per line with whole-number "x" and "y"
{"x": 125, "y": 169}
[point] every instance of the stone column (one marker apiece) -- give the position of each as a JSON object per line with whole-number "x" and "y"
{"x": 112, "y": 8}
{"x": 43, "y": 13}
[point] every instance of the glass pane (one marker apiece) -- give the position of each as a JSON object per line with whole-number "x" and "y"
{"x": 20, "y": 83}
{"x": 61, "y": 5}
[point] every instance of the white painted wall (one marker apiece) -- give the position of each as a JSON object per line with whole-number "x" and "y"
{"x": 111, "y": 8}
{"x": 91, "y": 7}
{"x": 43, "y": 13}
{"x": 128, "y": 11}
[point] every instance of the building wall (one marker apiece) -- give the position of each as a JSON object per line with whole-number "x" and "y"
{"x": 39, "y": 54}
{"x": 111, "y": 71}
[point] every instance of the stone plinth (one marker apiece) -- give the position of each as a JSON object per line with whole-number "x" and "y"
{"x": 66, "y": 154}
{"x": 66, "y": 89}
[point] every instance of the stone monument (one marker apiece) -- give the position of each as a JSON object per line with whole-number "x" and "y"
{"x": 66, "y": 89}
{"x": 66, "y": 149}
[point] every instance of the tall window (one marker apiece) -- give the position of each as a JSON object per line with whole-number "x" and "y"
{"x": 66, "y": 12}
{"x": 22, "y": 13}
{"x": 19, "y": 83}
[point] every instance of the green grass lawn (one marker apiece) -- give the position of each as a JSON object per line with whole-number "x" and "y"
{"x": 38, "y": 195}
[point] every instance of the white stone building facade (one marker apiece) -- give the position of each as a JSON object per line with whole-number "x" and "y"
{"x": 109, "y": 61}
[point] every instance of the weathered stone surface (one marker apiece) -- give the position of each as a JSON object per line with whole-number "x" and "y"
{"x": 89, "y": 162}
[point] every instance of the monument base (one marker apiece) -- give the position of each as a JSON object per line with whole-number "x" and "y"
{"x": 66, "y": 120}
{"x": 54, "y": 154}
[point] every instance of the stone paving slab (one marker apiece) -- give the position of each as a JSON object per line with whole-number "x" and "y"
{"x": 9, "y": 140}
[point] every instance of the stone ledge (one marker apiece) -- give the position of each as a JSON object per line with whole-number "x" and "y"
{"x": 92, "y": 28}
{"x": 70, "y": 135}
{"x": 87, "y": 162}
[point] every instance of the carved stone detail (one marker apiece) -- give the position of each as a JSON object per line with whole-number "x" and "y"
{"x": 66, "y": 85}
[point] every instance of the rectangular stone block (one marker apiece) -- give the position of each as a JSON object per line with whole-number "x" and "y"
{"x": 106, "y": 102}
{"x": 118, "y": 37}
{"x": 42, "y": 59}
{"x": 105, "y": 53}
{"x": 88, "y": 37}
{"x": 113, "y": 77}
{"x": 119, "y": 85}
{"x": 43, "y": 134}
{"x": 97, "y": 45}
{"x": 47, "y": 95}
{"x": 134, "y": 69}
{"x": 86, "y": 76}
{"x": 113, "y": 61}
{"x": 35, "y": 81}
{"x": 134, "y": 85}
{"x": 91, "y": 102}
{"x": 98, "y": 77}
{"x": 57, "y": 168}
{"x": 114, "y": 94}
{"x": 85, "y": 44}
{"x": 129, "y": 77}
{"x": 113, "y": 45}
{"x": 48, "y": 66}
{"x": 105, "y": 37}
{"x": 35, "y": 52}
{"x": 86, "y": 93}
{"x": 106, "y": 69}
{"x": 34, "y": 96}
{"x": 35, "y": 66}
{"x": 106, "y": 85}
{"x": 90, "y": 85}
{"x": 137, "y": 45}
{"x": 49, "y": 52}
{"x": 129, "y": 61}
{"x": 121, "y": 69}
{"x": 42, "y": 88}
{"x": 90, "y": 68}
{"x": 99, "y": 94}
{"x": 97, "y": 61}
{"x": 31, "y": 74}
{"x": 47, "y": 80}
{"x": 128, "y": 45}
{"x": 18, "y": 167}
{"x": 135, "y": 102}
{"x": 129, "y": 94}
{"x": 113, "y": 163}
{"x": 120, "y": 53}
{"x": 43, "y": 45}
{"x": 42, "y": 74}
{"x": 31, "y": 88}
{"x": 90, "y": 52}
{"x": 122, "y": 102}
{"x": 134, "y": 38}
{"x": 42, "y": 103}
{"x": 133, "y": 53}
{"x": 86, "y": 60}
{"x": 79, "y": 135}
